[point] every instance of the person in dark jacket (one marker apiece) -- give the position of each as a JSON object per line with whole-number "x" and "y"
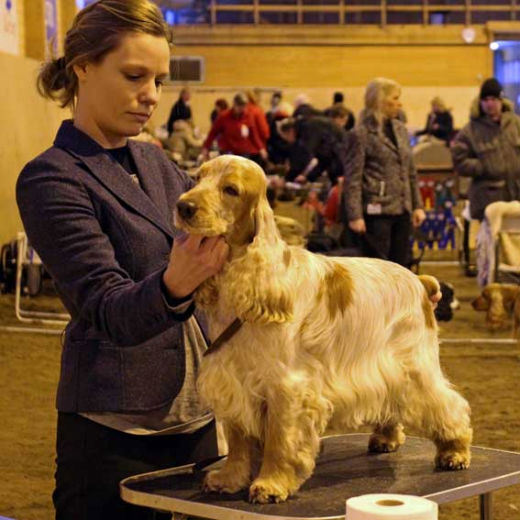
{"x": 303, "y": 108}
{"x": 487, "y": 150}
{"x": 97, "y": 207}
{"x": 338, "y": 101}
{"x": 180, "y": 110}
{"x": 439, "y": 122}
{"x": 380, "y": 186}
{"x": 317, "y": 145}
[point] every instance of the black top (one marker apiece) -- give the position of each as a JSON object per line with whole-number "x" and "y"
{"x": 388, "y": 130}
{"x": 123, "y": 156}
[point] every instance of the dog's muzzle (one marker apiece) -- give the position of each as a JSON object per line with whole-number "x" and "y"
{"x": 186, "y": 209}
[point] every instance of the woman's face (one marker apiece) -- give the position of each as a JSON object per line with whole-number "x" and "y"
{"x": 117, "y": 96}
{"x": 392, "y": 104}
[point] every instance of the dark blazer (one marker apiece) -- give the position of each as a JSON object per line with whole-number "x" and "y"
{"x": 106, "y": 242}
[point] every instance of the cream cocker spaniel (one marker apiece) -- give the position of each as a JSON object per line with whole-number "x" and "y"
{"x": 325, "y": 344}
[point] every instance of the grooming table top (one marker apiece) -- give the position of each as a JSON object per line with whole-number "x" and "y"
{"x": 344, "y": 469}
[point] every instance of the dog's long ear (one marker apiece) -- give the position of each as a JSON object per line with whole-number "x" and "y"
{"x": 497, "y": 310}
{"x": 481, "y": 302}
{"x": 509, "y": 293}
{"x": 266, "y": 229}
{"x": 260, "y": 289}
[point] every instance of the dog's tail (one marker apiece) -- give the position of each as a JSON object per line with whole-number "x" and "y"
{"x": 432, "y": 287}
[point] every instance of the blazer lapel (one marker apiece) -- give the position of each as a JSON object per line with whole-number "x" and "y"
{"x": 150, "y": 183}
{"x": 112, "y": 175}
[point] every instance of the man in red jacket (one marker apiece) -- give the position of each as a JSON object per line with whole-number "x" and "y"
{"x": 237, "y": 133}
{"x": 254, "y": 108}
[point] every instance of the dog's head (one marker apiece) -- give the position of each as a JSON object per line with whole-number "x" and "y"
{"x": 229, "y": 200}
{"x": 497, "y": 300}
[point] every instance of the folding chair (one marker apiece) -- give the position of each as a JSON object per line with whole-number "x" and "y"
{"x": 29, "y": 262}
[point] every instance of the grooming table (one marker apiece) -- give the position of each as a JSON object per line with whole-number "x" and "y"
{"x": 344, "y": 469}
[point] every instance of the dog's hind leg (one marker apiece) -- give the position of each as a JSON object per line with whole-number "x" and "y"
{"x": 386, "y": 438}
{"x": 236, "y": 472}
{"x": 444, "y": 416}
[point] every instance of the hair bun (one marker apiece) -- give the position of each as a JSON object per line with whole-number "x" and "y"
{"x": 60, "y": 63}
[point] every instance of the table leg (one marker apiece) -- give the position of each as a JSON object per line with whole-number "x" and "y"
{"x": 486, "y": 506}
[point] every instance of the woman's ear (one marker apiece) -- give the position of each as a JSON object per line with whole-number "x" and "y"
{"x": 80, "y": 70}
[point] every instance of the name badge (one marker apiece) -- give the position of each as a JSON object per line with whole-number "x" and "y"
{"x": 374, "y": 209}
{"x": 244, "y": 131}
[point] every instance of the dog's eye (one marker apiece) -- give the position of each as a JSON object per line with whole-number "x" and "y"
{"x": 230, "y": 190}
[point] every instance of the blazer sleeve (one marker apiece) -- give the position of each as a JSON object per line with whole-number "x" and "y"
{"x": 61, "y": 224}
{"x": 417, "y": 202}
{"x": 353, "y": 181}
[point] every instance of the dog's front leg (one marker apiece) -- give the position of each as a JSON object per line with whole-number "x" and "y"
{"x": 291, "y": 444}
{"x": 236, "y": 472}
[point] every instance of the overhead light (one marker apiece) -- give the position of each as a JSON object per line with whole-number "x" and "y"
{"x": 494, "y": 46}
{"x": 468, "y": 34}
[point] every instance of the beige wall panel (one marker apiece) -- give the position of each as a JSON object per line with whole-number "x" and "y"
{"x": 335, "y": 66}
{"x": 29, "y": 125}
{"x": 67, "y": 12}
{"x": 34, "y": 30}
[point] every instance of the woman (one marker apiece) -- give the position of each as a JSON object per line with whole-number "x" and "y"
{"x": 380, "y": 186}
{"x": 98, "y": 209}
{"x": 439, "y": 122}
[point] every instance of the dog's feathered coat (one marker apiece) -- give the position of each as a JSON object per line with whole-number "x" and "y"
{"x": 326, "y": 344}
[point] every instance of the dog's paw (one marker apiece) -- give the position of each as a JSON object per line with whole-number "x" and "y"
{"x": 222, "y": 481}
{"x": 381, "y": 443}
{"x": 452, "y": 460}
{"x": 382, "y": 446}
{"x": 264, "y": 491}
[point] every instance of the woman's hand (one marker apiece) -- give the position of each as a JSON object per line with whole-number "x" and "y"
{"x": 418, "y": 217}
{"x": 193, "y": 259}
{"x": 358, "y": 226}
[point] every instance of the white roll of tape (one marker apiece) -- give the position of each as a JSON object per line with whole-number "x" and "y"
{"x": 385, "y": 506}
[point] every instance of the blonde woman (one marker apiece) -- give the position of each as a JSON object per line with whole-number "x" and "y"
{"x": 439, "y": 122}
{"x": 381, "y": 192}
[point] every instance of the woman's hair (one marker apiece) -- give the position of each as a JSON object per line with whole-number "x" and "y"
{"x": 222, "y": 104}
{"x": 439, "y": 103}
{"x": 96, "y": 31}
{"x": 376, "y": 92}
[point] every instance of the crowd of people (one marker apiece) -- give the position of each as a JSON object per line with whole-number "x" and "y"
{"x": 373, "y": 157}
{"x": 97, "y": 208}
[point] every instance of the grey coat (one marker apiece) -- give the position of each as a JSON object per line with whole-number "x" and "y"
{"x": 378, "y": 172}
{"x": 106, "y": 242}
{"x": 489, "y": 153}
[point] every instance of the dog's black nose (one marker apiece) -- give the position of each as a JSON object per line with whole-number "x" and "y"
{"x": 186, "y": 209}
